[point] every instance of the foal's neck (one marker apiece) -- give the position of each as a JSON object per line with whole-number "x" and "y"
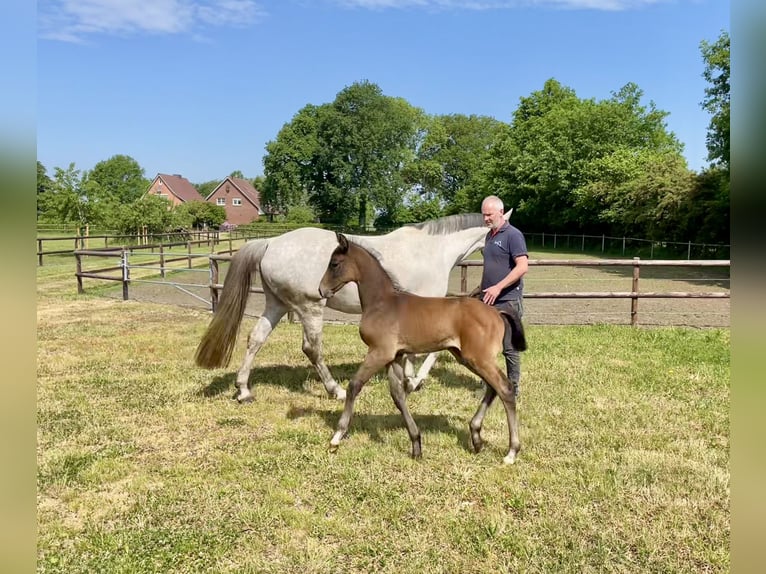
{"x": 374, "y": 283}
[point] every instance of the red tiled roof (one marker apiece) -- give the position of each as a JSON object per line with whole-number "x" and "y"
{"x": 245, "y": 187}
{"x": 181, "y": 187}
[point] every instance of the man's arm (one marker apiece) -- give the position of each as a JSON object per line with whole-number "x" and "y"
{"x": 491, "y": 293}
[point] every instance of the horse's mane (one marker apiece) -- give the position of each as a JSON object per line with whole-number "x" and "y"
{"x": 450, "y": 223}
{"x": 378, "y": 257}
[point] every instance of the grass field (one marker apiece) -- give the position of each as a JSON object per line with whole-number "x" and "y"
{"x": 146, "y": 464}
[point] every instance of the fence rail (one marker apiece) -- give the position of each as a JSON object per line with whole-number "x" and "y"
{"x": 122, "y": 272}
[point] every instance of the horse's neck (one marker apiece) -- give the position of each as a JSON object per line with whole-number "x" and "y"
{"x": 413, "y": 246}
{"x": 373, "y": 283}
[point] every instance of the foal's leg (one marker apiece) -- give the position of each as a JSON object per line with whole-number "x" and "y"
{"x": 396, "y": 388}
{"x": 312, "y": 318}
{"x": 504, "y": 389}
{"x": 488, "y": 370}
{"x": 478, "y": 419}
{"x": 372, "y": 363}
{"x": 273, "y": 312}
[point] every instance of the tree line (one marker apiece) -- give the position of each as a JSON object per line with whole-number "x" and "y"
{"x": 564, "y": 163}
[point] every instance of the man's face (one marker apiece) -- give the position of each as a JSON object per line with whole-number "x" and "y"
{"x": 493, "y": 217}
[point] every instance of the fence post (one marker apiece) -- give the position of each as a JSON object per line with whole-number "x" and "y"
{"x": 463, "y": 278}
{"x": 188, "y": 249}
{"x": 231, "y": 249}
{"x": 125, "y": 274}
{"x": 78, "y": 258}
{"x": 162, "y": 261}
{"x": 555, "y": 235}
{"x": 583, "y": 243}
{"x": 689, "y": 252}
{"x": 543, "y": 239}
{"x": 40, "y": 252}
{"x": 634, "y": 289}
{"x": 603, "y": 240}
{"x": 213, "y": 283}
{"x": 623, "y": 245}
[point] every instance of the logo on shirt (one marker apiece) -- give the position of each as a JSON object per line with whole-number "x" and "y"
{"x": 497, "y": 242}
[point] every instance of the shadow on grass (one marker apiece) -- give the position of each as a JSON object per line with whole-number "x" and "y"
{"x": 294, "y": 378}
{"x": 374, "y": 425}
{"x": 282, "y": 376}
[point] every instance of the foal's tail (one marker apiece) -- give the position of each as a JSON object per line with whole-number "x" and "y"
{"x": 513, "y": 322}
{"x": 217, "y": 344}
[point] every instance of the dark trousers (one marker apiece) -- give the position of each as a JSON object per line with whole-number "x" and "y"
{"x": 512, "y": 356}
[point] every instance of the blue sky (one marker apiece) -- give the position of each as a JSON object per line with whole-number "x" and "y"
{"x": 198, "y": 87}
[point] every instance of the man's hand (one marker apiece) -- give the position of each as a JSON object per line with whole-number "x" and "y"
{"x": 490, "y": 294}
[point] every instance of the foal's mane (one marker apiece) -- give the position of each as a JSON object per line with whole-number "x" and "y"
{"x": 450, "y": 223}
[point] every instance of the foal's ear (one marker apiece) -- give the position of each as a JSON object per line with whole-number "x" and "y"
{"x": 342, "y": 242}
{"x": 507, "y": 215}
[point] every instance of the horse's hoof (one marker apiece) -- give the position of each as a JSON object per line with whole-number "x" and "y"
{"x": 333, "y": 448}
{"x": 244, "y": 400}
{"x": 340, "y": 394}
{"x": 510, "y": 458}
{"x": 478, "y": 445}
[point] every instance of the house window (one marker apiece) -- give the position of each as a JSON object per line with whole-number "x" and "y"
{"x": 220, "y": 201}
{"x": 236, "y": 201}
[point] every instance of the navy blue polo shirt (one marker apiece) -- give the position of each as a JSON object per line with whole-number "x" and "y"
{"x": 500, "y": 251}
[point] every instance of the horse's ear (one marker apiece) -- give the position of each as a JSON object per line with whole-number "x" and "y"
{"x": 342, "y": 242}
{"x": 507, "y": 215}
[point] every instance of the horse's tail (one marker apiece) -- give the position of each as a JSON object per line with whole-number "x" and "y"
{"x": 217, "y": 344}
{"x": 513, "y": 322}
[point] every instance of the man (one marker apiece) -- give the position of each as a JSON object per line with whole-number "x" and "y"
{"x": 505, "y": 264}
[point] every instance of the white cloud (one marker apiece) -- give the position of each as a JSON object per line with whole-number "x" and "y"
{"x": 74, "y": 20}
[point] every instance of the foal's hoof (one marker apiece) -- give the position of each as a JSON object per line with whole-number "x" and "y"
{"x": 333, "y": 448}
{"x": 339, "y": 394}
{"x": 244, "y": 400}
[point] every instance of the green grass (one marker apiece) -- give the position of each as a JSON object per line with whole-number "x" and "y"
{"x": 146, "y": 464}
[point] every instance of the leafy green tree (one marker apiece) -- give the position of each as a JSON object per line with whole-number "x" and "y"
{"x": 345, "y": 157}
{"x": 543, "y": 163}
{"x": 66, "y": 199}
{"x": 119, "y": 178}
{"x": 206, "y": 187}
{"x": 201, "y": 213}
{"x": 289, "y": 164}
{"x": 44, "y": 184}
{"x": 717, "y": 98}
{"x": 151, "y": 212}
{"x": 452, "y": 152}
{"x": 640, "y": 193}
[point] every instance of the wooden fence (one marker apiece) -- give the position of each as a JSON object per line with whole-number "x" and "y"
{"x": 84, "y": 242}
{"x": 121, "y": 271}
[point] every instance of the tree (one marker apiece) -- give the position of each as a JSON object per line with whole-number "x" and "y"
{"x": 206, "y": 188}
{"x": 201, "y": 213}
{"x": 545, "y": 162}
{"x": 66, "y": 199}
{"x": 345, "y": 157}
{"x": 44, "y": 184}
{"x": 717, "y": 98}
{"x": 119, "y": 178}
{"x": 451, "y": 154}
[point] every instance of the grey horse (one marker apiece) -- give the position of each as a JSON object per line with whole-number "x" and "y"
{"x": 419, "y": 257}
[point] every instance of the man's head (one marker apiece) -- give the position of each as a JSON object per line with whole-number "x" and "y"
{"x": 492, "y": 210}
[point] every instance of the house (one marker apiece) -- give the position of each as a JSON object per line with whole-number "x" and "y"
{"x": 239, "y": 198}
{"x": 175, "y": 188}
